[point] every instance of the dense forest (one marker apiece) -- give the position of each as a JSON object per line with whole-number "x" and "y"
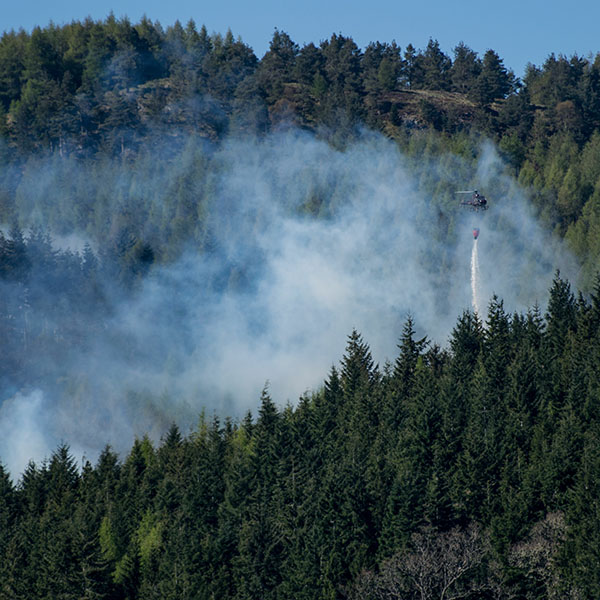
{"x": 130, "y": 154}
{"x": 92, "y": 90}
{"x": 466, "y": 472}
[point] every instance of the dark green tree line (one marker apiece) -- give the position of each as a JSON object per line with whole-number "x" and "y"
{"x": 469, "y": 469}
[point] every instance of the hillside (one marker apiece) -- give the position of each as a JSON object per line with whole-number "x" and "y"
{"x": 110, "y": 88}
{"x": 473, "y": 470}
{"x": 188, "y": 235}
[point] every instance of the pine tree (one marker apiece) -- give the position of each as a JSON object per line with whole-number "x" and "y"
{"x": 436, "y": 67}
{"x": 413, "y": 71}
{"x": 561, "y": 321}
{"x": 277, "y": 66}
{"x": 465, "y": 69}
{"x": 357, "y": 370}
{"x": 261, "y": 550}
{"x": 406, "y": 363}
{"x": 494, "y": 81}
{"x": 8, "y": 527}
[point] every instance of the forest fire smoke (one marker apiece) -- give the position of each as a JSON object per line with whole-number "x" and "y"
{"x": 304, "y": 243}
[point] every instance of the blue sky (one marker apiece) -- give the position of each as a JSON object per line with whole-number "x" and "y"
{"x": 520, "y": 31}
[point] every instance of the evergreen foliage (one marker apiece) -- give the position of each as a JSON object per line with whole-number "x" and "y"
{"x": 95, "y": 89}
{"x": 473, "y": 470}
{"x": 470, "y": 471}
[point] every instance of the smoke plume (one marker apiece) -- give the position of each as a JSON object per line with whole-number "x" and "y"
{"x": 305, "y": 243}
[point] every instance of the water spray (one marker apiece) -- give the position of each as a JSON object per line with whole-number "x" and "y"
{"x": 475, "y": 272}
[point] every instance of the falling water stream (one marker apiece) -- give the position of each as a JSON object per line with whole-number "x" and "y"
{"x": 475, "y": 277}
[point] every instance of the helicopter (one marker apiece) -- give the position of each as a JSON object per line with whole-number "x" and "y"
{"x": 476, "y": 201}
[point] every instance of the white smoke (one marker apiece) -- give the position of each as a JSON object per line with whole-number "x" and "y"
{"x": 22, "y": 439}
{"x": 195, "y": 337}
